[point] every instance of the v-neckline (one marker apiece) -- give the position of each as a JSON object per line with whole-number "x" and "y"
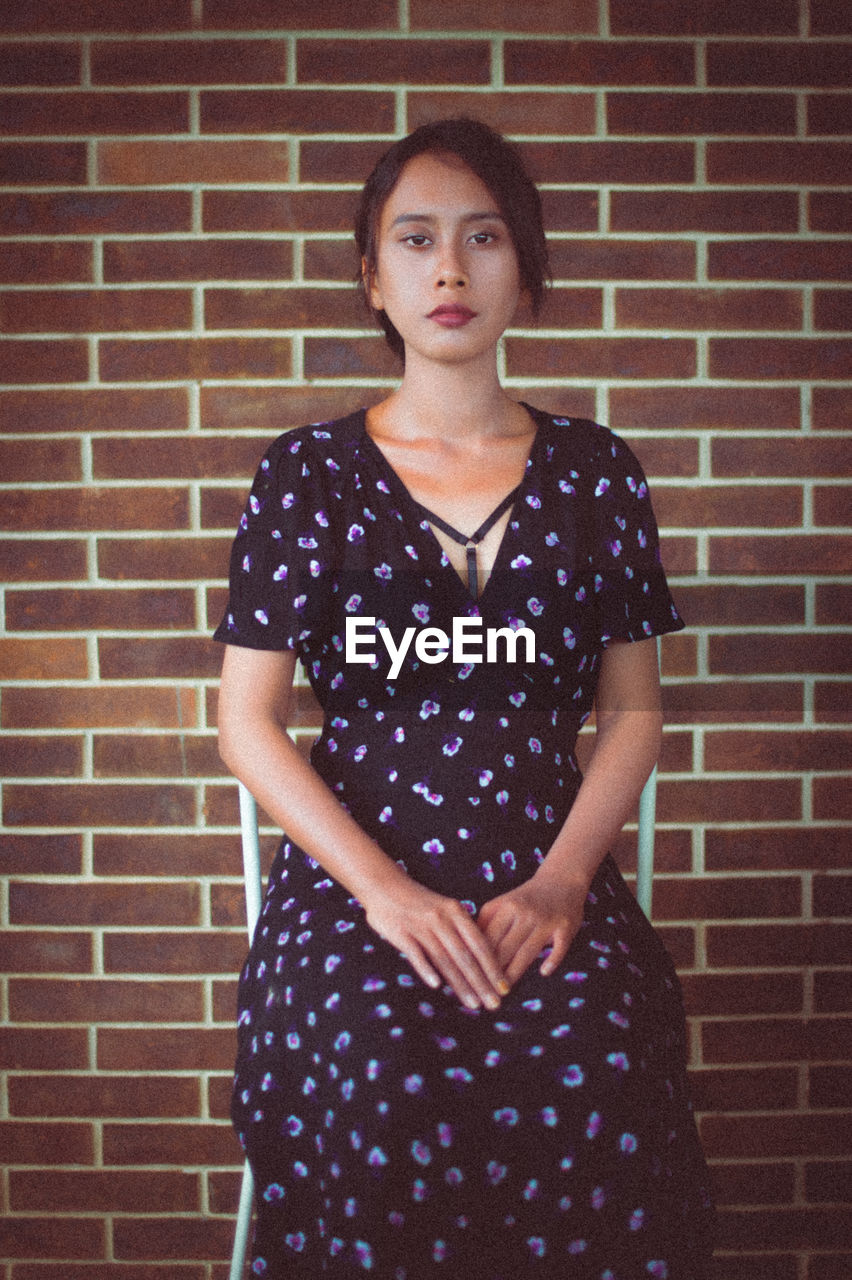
{"x": 444, "y": 562}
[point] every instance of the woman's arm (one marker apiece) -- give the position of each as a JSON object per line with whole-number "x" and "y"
{"x": 436, "y": 933}
{"x": 548, "y": 909}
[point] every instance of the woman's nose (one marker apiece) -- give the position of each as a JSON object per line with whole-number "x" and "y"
{"x": 450, "y": 271}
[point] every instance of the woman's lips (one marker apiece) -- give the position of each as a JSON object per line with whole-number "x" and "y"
{"x": 452, "y": 315}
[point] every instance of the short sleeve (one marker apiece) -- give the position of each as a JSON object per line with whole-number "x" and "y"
{"x": 282, "y": 558}
{"x": 632, "y": 594}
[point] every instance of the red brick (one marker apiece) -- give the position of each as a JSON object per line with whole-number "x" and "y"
{"x": 349, "y": 357}
{"x": 300, "y": 111}
{"x": 156, "y": 558}
{"x": 729, "y": 800}
{"x": 603, "y": 259}
{"x": 788, "y": 64}
{"x": 93, "y": 213}
{"x": 31, "y": 360}
{"x": 723, "y": 994}
{"x": 57, "y": 659}
{"x": 96, "y": 15}
{"x": 570, "y": 210}
{"x": 95, "y": 310}
{"x": 778, "y": 1228}
{"x": 797, "y": 554}
{"x": 772, "y": 750}
{"x": 219, "y": 1089}
{"x": 667, "y": 308}
{"x": 100, "y": 1096}
{"x": 774, "y": 1039}
{"x": 104, "y": 1190}
{"x": 775, "y": 849}
{"x": 773, "y": 945}
{"x": 829, "y": 17}
{"x": 33, "y": 1237}
{"x": 747, "y": 606}
{"x": 713, "y": 17}
{"x": 129, "y": 458}
{"x": 833, "y": 607}
{"x": 193, "y": 657}
{"x": 85, "y": 805}
{"x": 818, "y": 260}
{"x": 726, "y": 702}
{"x": 206, "y": 259}
{"x": 799, "y": 457}
{"x": 833, "y": 893}
{"x": 833, "y": 309}
{"x": 705, "y": 408}
{"x": 81, "y": 112}
{"x": 560, "y": 400}
{"x": 301, "y": 15}
{"x": 510, "y": 113}
{"x": 829, "y": 1266}
{"x": 750, "y": 654}
{"x": 830, "y": 114}
{"x": 193, "y": 61}
{"x": 597, "y": 62}
{"x": 601, "y": 357}
{"x": 22, "y": 1048}
{"x": 37, "y": 903}
{"x": 714, "y": 506}
{"x": 611, "y": 162}
{"x": 37, "y": 755}
{"x": 726, "y": 211}
{"x": 195, "y": 358}
{"x": 810, "y": 359}
{"x": 831, "y": 409}
{"x": 774, "y": 1134}
{"x": 156, "y": 756}
{"x": 814, "y": 163}
{"x": 832, "y": 507}
{"x": 345, "y": 61}
{"x": 166, "y": 1049}
{"x": 110, "y": 609}
{"x": 726, "y": 898}
{"x": 682, "y": 113}
{"x": 744, "y": 1089}
{"x": 829, "y": 1180}
{"x": 95, "y": 409}
{"x": 41, "y": 461}
{"x": 40, "y": 164}
{"x": 187, "y": 854}
{"x": 45, "y": 951}
{"x": 275, "y": 409}
{"x": 753, "y": 1184}
{"x": 41, "y": 855}
{"x": 194, "y": 160}
{"x": 830, "y": 210}
{"x": 323, "y": 210}
{"x": 221, "y": 509}
{"x": 90, "y": 508}
{"x": 33, "y": 263}
{"x": 94, "y": 1000}
{"x": 52, "y": 63}
{"x": 170, "y": 1144}
{"x": 173, "y": 1237}
{"x": 832, "y": 798}
{"x": 339, "y": 161}
{"x": 23, "y": 560}
{"x": 273, "y": 308}
{"x": 29, "y": 1143}
{"x": 832, "y": 699}
{"x": 117, "y": 1271}
{"x": 679, "y": 941}
{"x": 829, "y": 1086}
{"x": 580, "y": 16}
{"x": 330, "y": 260}
{"x": 174, "y": 953}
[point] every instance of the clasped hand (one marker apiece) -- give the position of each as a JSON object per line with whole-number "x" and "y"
{"x": 482, "y": 959}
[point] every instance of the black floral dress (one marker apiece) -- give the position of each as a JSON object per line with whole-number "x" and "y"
{"x": 392, "y": 1131}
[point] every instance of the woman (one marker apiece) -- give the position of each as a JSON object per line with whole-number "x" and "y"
{"x": 461, "y": 1043}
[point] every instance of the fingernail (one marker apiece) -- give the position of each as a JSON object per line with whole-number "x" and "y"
{"x": 471, "y": 1002}
{"x": 503, "y": 987}
{"x": 492, "y": 1002}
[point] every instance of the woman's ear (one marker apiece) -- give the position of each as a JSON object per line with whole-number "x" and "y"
{"x": 371, "y": 288}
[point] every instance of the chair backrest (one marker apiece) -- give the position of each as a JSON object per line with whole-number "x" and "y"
{"x": 251, "y": 857}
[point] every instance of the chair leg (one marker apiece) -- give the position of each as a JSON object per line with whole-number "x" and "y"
{"x": 243, "y": 1224}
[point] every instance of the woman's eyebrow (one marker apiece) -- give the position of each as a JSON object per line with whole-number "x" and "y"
{"x": 430, "y": 217}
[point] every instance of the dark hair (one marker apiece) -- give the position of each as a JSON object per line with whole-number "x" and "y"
{"x": 498, "y": 164}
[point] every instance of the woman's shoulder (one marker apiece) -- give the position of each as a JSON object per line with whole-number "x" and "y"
{"x": 320, "y": 438}
{"x": 580, "y": 440}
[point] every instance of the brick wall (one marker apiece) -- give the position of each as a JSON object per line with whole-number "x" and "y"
{"x": 178, "y": 178}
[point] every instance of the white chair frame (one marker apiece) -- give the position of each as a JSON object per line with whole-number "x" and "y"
{"x": 253, "y": 892}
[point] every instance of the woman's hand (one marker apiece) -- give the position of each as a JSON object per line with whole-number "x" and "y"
{"x": 440, "y": 941}
{"x": 522, "y": 923}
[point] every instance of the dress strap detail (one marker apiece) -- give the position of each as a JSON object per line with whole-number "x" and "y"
{"x": 469, "y": 542}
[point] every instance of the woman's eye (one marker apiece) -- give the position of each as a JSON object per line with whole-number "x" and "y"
{"x": 483, "y": 237}
{"x": 416, "y": 239}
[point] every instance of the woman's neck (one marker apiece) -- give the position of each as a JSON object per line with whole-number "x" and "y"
{"x": 450, "y": 400}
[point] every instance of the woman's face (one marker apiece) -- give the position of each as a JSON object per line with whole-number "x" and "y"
{"x": 446, "y": 268}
